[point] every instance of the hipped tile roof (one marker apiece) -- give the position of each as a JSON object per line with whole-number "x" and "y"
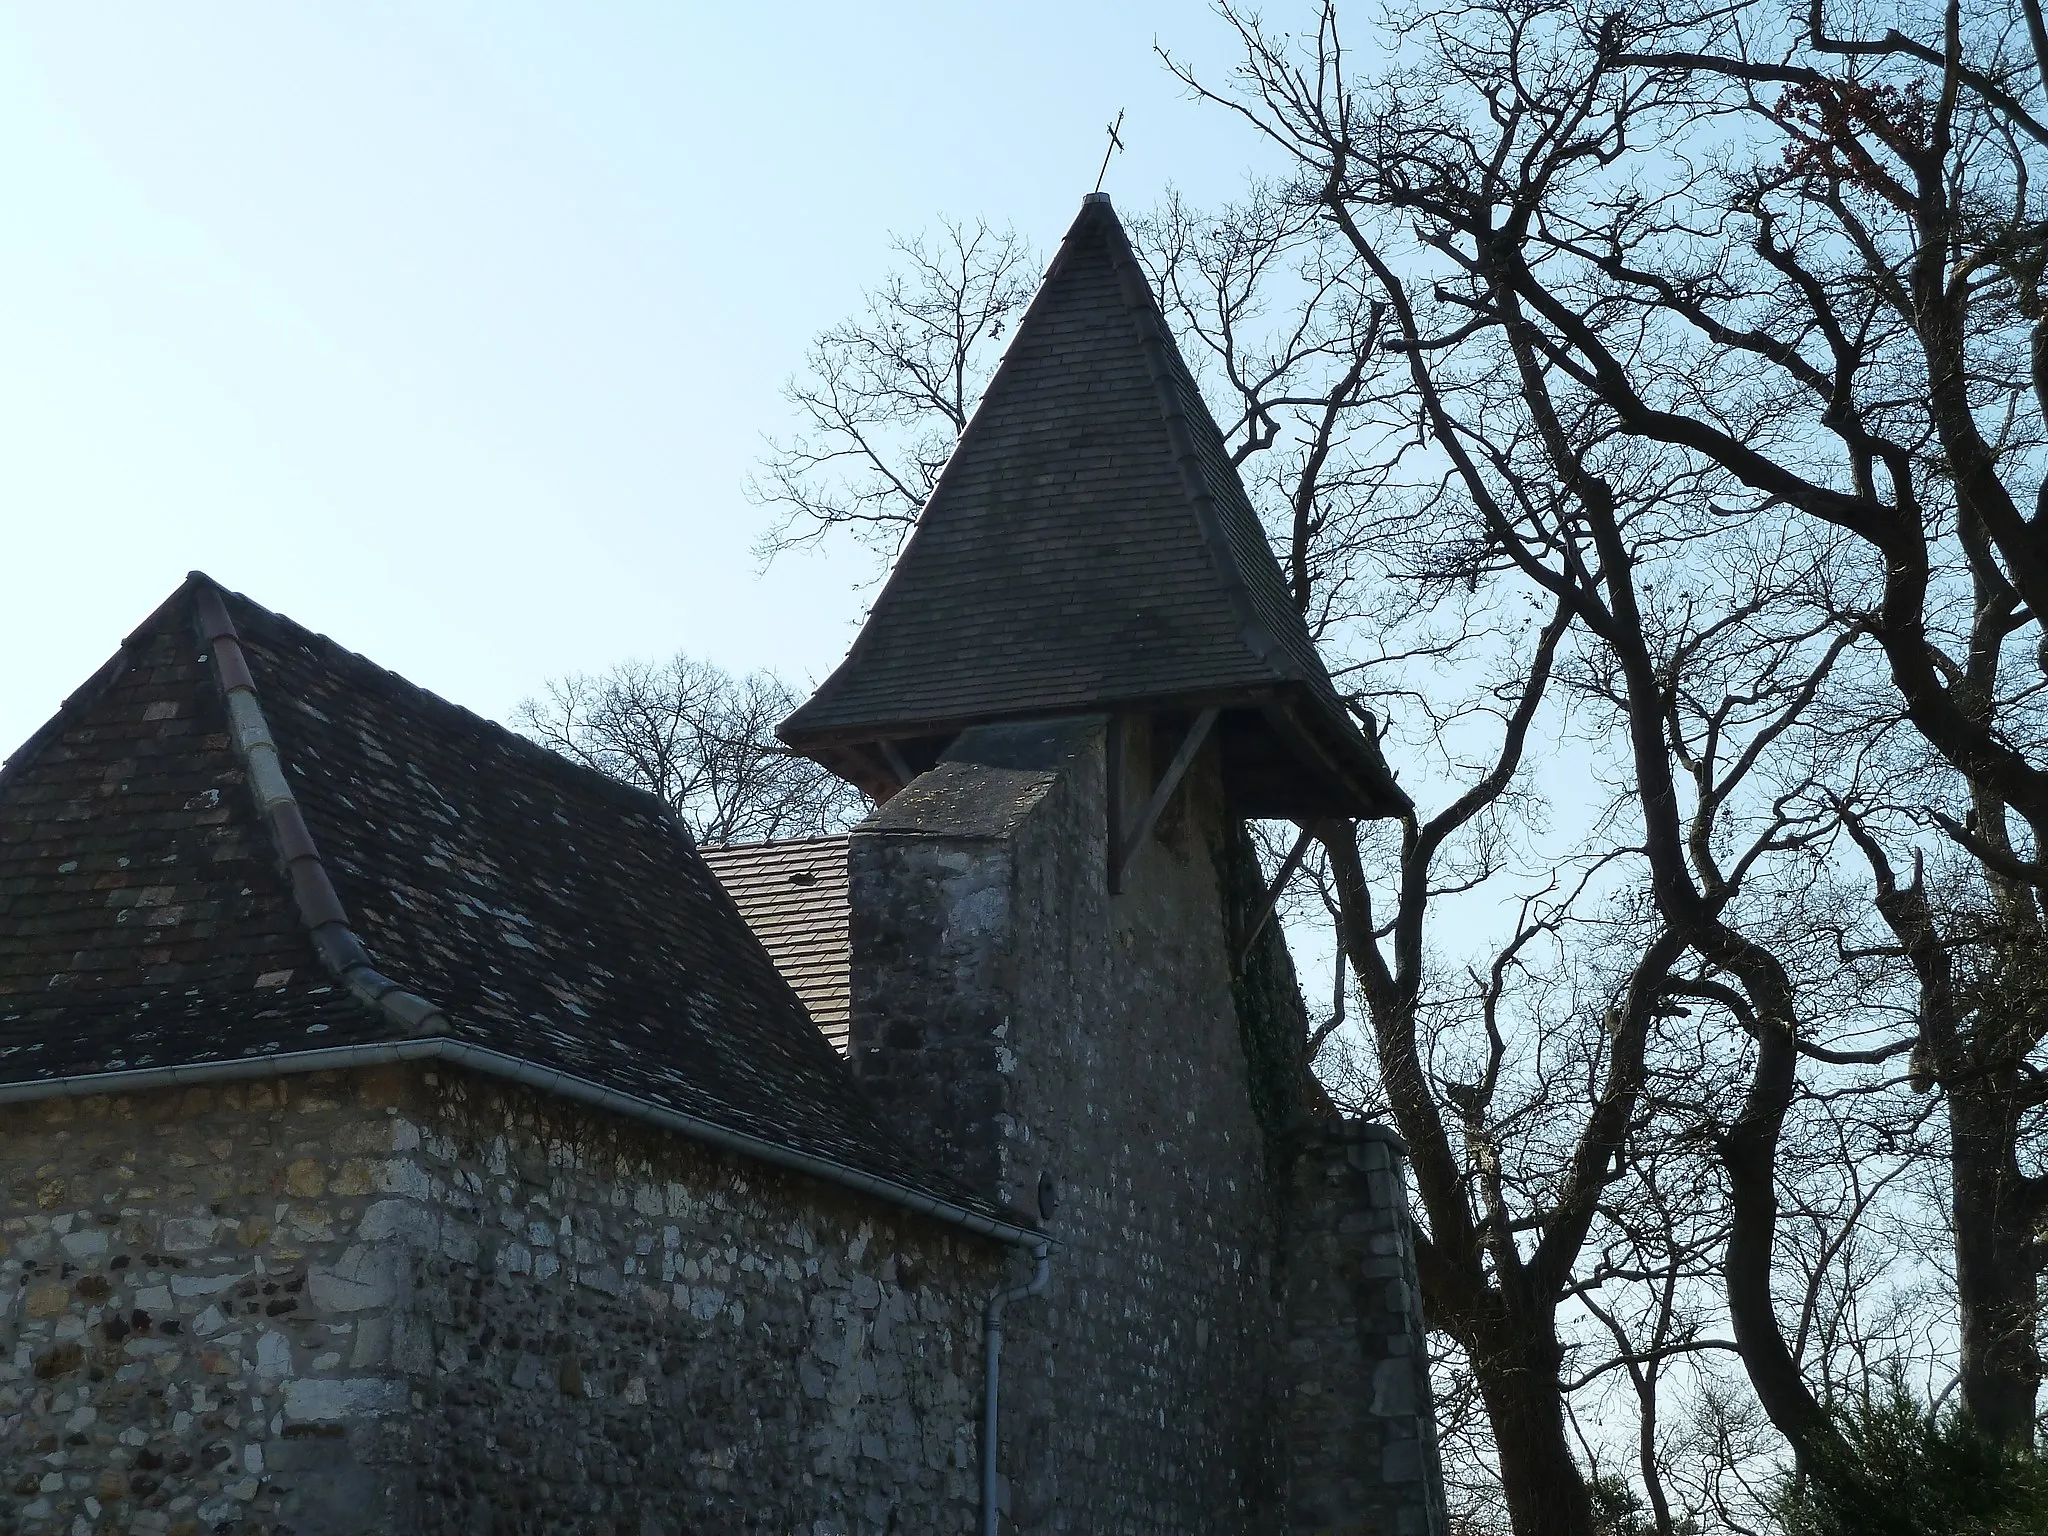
{"x": 542, "y": 912}
{"x": 1089, "y": 546}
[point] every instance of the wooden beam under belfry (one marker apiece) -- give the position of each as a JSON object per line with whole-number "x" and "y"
{"x": 1148, "y": 818}
{"x": 895, "y": 761}
{"x": 1273, "y": 892}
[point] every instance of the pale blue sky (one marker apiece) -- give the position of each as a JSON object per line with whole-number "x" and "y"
{"x": 453, "y": 330}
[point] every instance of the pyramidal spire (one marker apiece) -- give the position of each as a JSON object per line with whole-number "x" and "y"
{"x": 1089, "y": 548}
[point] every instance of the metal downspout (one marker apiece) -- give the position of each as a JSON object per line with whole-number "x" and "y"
{"x": 992, "y": 1340}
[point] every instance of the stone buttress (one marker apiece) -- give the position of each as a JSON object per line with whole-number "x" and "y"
{"x": 1360, "y": 1435}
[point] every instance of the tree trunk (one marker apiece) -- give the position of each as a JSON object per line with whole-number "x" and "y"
{"x": 1749, "y": 1153}
{"x": 1995, "y": 1262}
{"x": 1517, "y": 1371}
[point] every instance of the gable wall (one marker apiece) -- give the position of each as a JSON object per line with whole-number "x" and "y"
{"x": 414, "y": 1299}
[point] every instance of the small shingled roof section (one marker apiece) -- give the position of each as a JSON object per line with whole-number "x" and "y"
{"x": 793, "y": 895}
{"x": 1089, "y": 546}
{"x": 544, "y": 913}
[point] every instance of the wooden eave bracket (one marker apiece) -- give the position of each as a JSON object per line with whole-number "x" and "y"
{"x": 894, "y": 759}
{"x": 1125, "y": 848}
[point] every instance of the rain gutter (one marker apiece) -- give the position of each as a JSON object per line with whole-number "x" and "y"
{"x": 461, "y": 1053}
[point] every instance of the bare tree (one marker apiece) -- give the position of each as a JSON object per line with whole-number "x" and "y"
{"x": 1796, "y": 268}
{"x": 882, "y": 397}
{"x": 701, "y": 739}
{"x": 1567, "y": 372}
{"x": 1705, "y": 687}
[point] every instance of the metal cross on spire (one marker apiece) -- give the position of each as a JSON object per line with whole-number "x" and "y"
{"x": 1115, "y": 144}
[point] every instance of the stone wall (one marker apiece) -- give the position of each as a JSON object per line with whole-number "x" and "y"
{"x": 413, "y": 1299}
{"x": 1040, "y": 1029}
{"x": 1360, "y": 1434}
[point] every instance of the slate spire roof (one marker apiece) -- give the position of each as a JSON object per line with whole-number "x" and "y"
{"x": 241, "y": 848}
{"x": 1088, "y": 547}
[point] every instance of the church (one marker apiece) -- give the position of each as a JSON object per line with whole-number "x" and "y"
{"x": 406, "y": 1129}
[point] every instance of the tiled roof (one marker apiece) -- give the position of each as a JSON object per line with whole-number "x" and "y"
{"x": 545, "y": 914}
{"x": 142, "y": 912}
{"x": 793, "y": 895}
{"x": 1089, "y": 545}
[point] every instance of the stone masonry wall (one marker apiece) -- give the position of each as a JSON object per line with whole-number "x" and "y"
{"x": 412, "y": 1299}
{"x": 1361, "y": 1443}
{"x": 1038, "y": 1027}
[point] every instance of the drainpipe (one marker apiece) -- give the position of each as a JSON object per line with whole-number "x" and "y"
{"x": 992, "y": 1338}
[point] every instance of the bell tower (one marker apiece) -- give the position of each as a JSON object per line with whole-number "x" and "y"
{"x": 1083, "y": 675}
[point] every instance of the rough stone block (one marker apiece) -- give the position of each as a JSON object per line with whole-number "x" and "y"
{"x": 325, "y": 1400}
{"x": 363, "y": 1277}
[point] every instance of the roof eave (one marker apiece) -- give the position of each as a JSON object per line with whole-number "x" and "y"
{"x": 1320, "y": 735}
{"x": 461, "y": 1053}
{"x": 1307, "y": 719}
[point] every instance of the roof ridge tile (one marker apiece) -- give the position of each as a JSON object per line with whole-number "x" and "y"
{"x": 313, "y": 893}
